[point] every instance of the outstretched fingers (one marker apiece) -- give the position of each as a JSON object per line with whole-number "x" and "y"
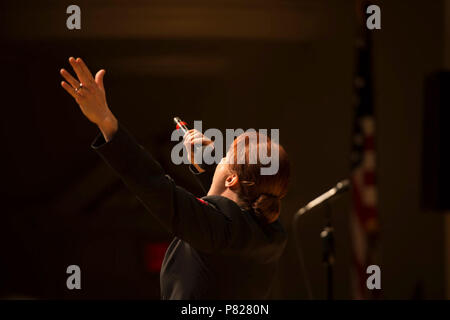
{"x": 71, "y": 80}
{"x": 85, "y": 70}
{"x": 77, "y": 66}
{"x": 69, "y": 89}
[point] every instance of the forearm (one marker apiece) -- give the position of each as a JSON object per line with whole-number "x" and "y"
{"x": 108, "y": 126}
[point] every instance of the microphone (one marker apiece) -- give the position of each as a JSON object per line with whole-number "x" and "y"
{"x": 180, "y": 125}
{"x": 339, "y": 188}
{"x": 198, "y": 149}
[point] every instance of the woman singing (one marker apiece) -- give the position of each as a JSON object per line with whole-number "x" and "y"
{"x": 227, "y": 244}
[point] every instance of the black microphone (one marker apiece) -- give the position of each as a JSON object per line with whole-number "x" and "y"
{"x": 339, "y": 188}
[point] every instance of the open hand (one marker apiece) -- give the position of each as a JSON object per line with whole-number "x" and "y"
{"x": 90, "y": 95}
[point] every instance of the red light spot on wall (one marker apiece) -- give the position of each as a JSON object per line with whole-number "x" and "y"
{"x": 154, "y": 256}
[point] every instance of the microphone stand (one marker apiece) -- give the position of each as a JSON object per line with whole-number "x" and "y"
{"x": 327, "y": 234}
{"x": 328, "y": 258}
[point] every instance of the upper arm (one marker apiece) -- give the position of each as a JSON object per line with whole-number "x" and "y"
{"x": 199, "y": 223}
{"x": 189, "y": 218}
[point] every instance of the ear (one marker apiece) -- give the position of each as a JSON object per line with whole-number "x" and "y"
{"x": 232, "y": 181}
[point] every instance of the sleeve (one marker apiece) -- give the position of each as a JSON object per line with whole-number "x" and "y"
{"x": 187, "y": 217}
{"x": 205, "y": 178}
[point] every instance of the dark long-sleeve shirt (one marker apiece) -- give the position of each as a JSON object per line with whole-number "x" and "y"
{"x": 219, "y": 251}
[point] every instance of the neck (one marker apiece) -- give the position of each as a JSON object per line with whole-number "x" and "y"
{"x": 230, "y": 195}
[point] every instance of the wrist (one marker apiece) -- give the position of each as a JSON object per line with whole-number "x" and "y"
{"x": 108, "y": 126}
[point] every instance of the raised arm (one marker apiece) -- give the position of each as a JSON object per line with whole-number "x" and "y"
{"x": 189, "y": 218}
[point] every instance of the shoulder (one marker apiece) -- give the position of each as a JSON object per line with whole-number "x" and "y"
{"x": 269, "y": 239}
{"x": 222, "y": 204}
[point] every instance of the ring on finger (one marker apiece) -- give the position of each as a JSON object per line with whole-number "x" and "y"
{"x": 79, "y": 87}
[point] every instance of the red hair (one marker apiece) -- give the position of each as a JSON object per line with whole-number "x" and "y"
{"x": 259, "y": 193}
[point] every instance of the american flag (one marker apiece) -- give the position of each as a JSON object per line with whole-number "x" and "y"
{"x": 364, "y": 215}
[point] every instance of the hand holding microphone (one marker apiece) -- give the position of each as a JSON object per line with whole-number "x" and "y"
{"x": 193, "y": 141}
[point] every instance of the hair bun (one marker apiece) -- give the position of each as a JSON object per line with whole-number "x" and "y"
{"x": 266, "y": 207}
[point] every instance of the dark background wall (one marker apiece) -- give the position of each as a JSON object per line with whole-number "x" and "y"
{"x": 239, "y": 64}
{"x": 408, "y": 48}
{"x": 447, "y": 66}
